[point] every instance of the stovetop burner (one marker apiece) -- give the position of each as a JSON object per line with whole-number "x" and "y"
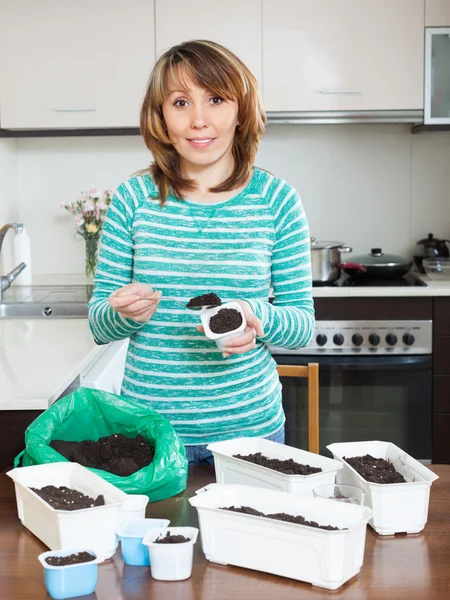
{"x": 346, "y": 281}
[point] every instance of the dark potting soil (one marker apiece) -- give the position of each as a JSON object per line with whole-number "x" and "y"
{"x": 172, "y": 539}
{"x": 117, "y": 453}
{"x": 281, "y": 517}
{"x": 375, "y": 470}
{"x": 64, "y": 498}
{"x": 288, "y": 467}
{"x": 227, "y": 319}
{"x": 205, "y": 299}
{"x": 72, "y": 559}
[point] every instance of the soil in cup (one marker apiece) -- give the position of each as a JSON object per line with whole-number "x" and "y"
{"x": 299, "y": 520}
{"x": 72, "y": 559}
{"x": 117, "y": 453}
{"x": 375, "y": 470}
{"x": 204, "y": 300}
{"x": 288, "y": 467}
{"x": 227, "y": 319}
{"x": 171, "y": 539}
{"x": 64, "y": 498}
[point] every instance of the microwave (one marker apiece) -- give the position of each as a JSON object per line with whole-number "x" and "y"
{"x": 437, "y": 76}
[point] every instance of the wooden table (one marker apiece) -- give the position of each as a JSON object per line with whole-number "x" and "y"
{"x": 399, "y": 568}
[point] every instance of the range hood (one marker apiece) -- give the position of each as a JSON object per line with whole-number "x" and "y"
{"x": 342, "y": 117}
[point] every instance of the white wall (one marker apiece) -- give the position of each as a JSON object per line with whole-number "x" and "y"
{"x": 366, "y": 185}
{"x": 8, "y": 196}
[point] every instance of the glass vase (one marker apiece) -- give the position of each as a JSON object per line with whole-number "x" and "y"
{"x": 91, "y": 240}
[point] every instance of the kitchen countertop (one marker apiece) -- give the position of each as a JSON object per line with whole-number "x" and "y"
{"x": 413, "y": 567}
{"x": 431, "y": 288}
{"x": 39, "y": 358}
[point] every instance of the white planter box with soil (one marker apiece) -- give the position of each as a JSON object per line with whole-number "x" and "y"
{"x": 231, "y": 470}
{"x": 397, "y": 507}
{"x": 324, "y": 558}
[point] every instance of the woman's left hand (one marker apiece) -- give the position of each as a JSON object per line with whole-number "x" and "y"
{"x": 247, "y": 340}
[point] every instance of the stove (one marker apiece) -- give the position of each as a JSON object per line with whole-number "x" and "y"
{"x": 346, "y": 281}
{"x": 356, "y": 338}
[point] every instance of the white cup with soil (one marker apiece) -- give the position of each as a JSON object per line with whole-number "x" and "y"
{"x": 223, "y": 323}
{"x": 171, "y": 552}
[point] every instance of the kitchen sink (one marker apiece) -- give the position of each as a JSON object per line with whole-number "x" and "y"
{"x": 45, "y": 302}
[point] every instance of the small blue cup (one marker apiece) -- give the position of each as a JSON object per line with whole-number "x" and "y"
{"x": 70, "y": 581}
{"x": 131, "y": 535}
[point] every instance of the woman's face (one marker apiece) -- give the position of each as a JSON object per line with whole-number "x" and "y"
{"x": 200, "y": 125}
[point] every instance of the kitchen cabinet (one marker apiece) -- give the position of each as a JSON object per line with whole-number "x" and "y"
{"x": 437, "y": 76}
{"x": 441, "y": 380}
{"x": 343, "y": 55}
{"x": 74, "y": 64}
{"x": 437, "y": 13}
{"x": 235, "y": 24}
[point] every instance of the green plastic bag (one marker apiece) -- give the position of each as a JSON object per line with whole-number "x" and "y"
{"x": 89, "y": 414}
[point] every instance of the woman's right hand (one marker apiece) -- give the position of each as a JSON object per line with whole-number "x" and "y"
{"x": 136, "y": 301}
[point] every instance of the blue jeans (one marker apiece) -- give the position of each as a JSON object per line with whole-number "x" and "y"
{"x": 199, "y": 455}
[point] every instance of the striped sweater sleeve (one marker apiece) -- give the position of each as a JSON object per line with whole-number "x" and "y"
{"x": 289, "y": 321}
{"x": 114, "y": 269}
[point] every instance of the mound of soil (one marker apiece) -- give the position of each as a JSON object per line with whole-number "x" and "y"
{"x": 172, "y": 539}
{"x": 72, "y": 559}
{"x": 115, "y": 453}
{"x": 203, "y": 300}
{"x": 227, "y": 319}
{"x": 247, "y": 510}
{"x": 64, "y": 498}
{"x": 288, "y": 467}
{"x": 375, "y": 470}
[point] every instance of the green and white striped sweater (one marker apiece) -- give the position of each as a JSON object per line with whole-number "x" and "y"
{"x": 235, "y": 248}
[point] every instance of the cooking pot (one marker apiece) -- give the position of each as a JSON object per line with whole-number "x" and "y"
{"x": 326, "y": 260}
{"x": 378, "y": 265}
{"x": 429, "y": 247}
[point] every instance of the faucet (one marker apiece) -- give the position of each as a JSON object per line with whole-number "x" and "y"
{"x": 6, "y": 280}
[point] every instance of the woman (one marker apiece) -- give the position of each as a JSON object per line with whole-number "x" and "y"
{"x": 203, "y": 219}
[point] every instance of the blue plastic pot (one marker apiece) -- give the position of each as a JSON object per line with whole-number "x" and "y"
{"x": 131, "y": 535}
{"x": 72, "y": 580}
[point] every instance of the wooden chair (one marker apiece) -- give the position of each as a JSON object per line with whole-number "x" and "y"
{"x": 311, "y": 372}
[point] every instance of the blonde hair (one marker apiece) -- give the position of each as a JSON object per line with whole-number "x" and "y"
{"x": 214, "y": 68}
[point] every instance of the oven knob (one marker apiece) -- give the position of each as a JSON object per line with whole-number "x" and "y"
{"x": 408, "y": 339}
{"x": 391, "y": 339}
{"x": 338, "y": 339}
{"x": 374, "y": 339}
{"x": 357, "y": 339}
{"x": 321, "y": 339}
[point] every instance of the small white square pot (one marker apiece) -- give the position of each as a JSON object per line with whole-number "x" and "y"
{"x": 222, "y": 338}
{"x": 171, "y": 562}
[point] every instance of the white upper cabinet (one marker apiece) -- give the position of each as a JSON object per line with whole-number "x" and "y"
{"x": 437, "y": 13}
{"x": 80, "y": 64}
{"x": 236, "y": 24}
{"x": 338, "y": 55}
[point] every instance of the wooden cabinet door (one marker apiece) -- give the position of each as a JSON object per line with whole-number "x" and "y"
{"x": 343, "y": 55}
{"x": 236, "y": 24}
{"x": 77, "y": 64}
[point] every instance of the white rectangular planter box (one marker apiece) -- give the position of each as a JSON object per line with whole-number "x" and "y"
{"x": 93, "y": 528}
{"x": 397, "y": 507}
{"x": 231, "y": 470}
{"x": 324, "y": 558}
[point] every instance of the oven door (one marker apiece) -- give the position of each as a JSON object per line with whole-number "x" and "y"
{"x": 385, "y": 398}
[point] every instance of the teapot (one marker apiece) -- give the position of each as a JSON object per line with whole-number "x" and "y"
{"x": 430, "y": 247}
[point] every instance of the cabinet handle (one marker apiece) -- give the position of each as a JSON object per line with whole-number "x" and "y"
{"x": 75, "y": 109}
{"x": 331, "y": 91}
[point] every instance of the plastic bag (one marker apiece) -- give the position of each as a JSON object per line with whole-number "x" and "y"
{"x": 89, "y": 414}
